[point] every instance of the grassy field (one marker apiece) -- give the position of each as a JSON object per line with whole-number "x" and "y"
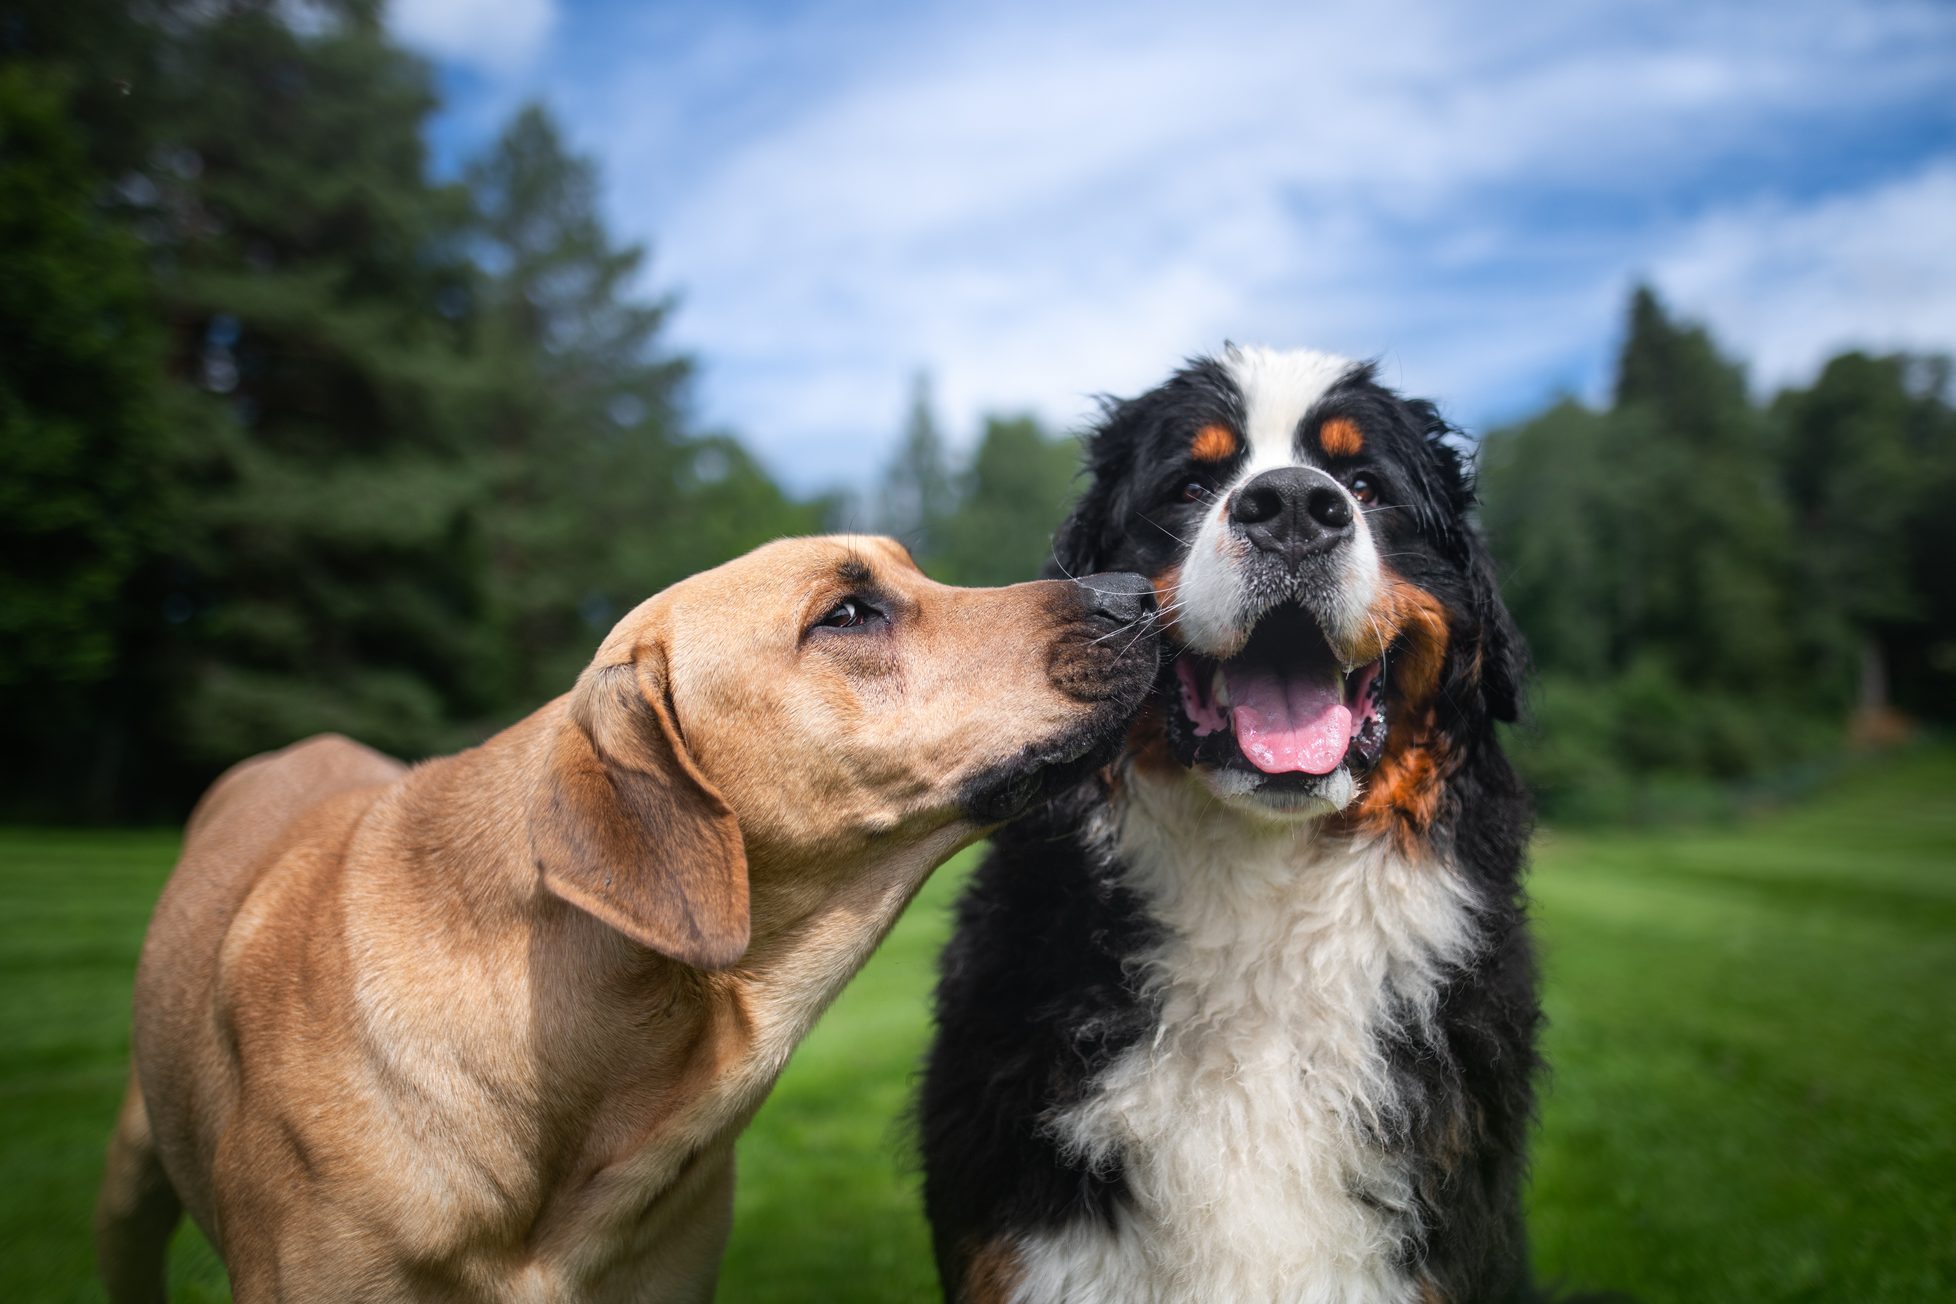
{"x": 1754, "y": 1095}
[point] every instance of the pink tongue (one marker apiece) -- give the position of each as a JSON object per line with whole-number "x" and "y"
{"x": 1288, "y": 725}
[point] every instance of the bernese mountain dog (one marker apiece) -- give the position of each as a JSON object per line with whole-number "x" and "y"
{"x": 1251, "y": 1015}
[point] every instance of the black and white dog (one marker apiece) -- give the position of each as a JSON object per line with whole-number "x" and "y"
{"x": 1252, "y": 1016}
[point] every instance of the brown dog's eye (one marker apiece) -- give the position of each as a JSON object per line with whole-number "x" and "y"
{"x": 850, "y": 613}
{"x": 1365, "y": 489}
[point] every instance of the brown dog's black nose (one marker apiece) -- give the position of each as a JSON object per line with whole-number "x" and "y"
{"x": 1292, "y": 511}
{"x": 1120, "y": 596}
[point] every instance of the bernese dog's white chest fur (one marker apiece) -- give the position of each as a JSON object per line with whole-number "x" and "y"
{"x": 1249, "y": 1126}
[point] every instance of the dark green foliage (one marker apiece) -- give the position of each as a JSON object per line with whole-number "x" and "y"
{"x": 1702, "y": 531}
{"x": 1015, "y": 492}
{"x": 1707, "y": 586}
{"x": 990, "y": 522}
{"x": 84, "y": 457}
{"x": 917, "y": 492}
{"x": 298, "y": 438}
{"x": 1868, "y": 454}
{"x": 78, "y": 430}
{"x": 311, "y": 286}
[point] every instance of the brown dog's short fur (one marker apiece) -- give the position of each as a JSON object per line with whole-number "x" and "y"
{"x": 486, "y": 1028}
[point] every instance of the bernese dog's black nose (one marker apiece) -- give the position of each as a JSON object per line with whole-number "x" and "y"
{"x": 1292, "y": 511}
{"x": 1120, "y": 596}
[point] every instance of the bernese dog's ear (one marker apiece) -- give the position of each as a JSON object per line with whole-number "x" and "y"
{"x": 1500, "y": 655}
{"x": 1503, "y": 653}
{"x": 1085, "y": 538}
{"x": 1076, "y": 544}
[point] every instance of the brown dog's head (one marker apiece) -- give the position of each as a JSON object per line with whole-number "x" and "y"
{"x": 808, "y": 702}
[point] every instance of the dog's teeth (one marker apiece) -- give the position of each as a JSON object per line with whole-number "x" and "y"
{"x": 1219, "y": 690}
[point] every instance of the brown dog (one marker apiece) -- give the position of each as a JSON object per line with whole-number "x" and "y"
{"x": 486, "y": 1028}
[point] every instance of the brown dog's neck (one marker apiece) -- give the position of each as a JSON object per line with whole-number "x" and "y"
{"x": 623, "y": 1049}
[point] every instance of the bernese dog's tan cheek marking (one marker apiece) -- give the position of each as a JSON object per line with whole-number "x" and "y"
{"x": 1147, "y": 748}
{"x": 991, "y": 1274}
{"x": 1168, "y": 588}
{"x": 1402, "y": 795}
{"x": 1410, "y": 616}
{"x": 1341, "y": 437}
{"x": 1213, "y": 444}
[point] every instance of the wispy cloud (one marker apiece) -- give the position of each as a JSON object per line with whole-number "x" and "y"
{"x": 1042, "y": 202}
{"x": 1875, "y": 267}
{"x": 492, "y": 36}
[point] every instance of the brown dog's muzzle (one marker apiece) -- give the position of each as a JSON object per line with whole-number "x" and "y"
{"x": 1104, "y": 655}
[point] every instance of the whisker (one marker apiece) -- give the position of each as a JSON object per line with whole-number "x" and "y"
{"x": 1165, "y": 530}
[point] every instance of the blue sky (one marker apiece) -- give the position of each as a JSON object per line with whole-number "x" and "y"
{"x": 1041, "y": 202}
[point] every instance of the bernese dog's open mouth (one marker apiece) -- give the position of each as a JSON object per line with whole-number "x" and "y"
{"x": 1286, "y": 710}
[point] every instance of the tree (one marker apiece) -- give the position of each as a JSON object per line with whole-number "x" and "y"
{"x": 314, "y": 286}
{"x": 1554, "y": 508}
{"x": 1923, "y": 649}
{"x": 1865, "y": 457}
{"x": 82, "y": 456}
{"x": 596, "y": 493}
{"x": 1847, "y": 466}
{"x": 1707, "y": 542}
{"x": 1012, "y": 497}
{"x": 576, "y": 426}
{"x": 917, "y": 492}
{"x": 349, "y": 449}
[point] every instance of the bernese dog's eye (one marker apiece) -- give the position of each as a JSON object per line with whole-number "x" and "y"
{"x": 850, "y": 613}
{"x": 1197, "y": 490}
{"x": 1365, "y": 489}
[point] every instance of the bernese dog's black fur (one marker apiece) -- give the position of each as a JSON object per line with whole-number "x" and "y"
{"x": 1044, "y": 987}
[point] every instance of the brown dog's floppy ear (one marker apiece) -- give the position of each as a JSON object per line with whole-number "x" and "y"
{"x": 626, "y": 827}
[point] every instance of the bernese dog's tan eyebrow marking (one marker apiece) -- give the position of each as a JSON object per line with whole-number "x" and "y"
{"x": 1213, "y": 443}
{"x": 1341, "y": 437}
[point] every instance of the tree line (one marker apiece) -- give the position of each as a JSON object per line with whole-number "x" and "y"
{"x": 1719, "y": 589}
{"x": 296, "y": 435}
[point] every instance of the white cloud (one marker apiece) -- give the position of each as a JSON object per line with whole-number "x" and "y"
{"x": 497, "y": 36}
{"x": 1046, "y": 201}
{"x": 1792, "y": 284}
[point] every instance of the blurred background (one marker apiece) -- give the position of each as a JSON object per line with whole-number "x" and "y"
{"x": 361, "y": 363}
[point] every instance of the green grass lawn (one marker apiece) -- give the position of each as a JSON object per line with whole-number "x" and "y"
{"x": 1754, "y": 1094}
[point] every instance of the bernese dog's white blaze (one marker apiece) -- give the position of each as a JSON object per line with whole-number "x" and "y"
{"x": 1218, "y": 610}
{"x": 1253, "y": 1019}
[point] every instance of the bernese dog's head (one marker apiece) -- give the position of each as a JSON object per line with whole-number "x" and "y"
{"x": 1339, "y": 643}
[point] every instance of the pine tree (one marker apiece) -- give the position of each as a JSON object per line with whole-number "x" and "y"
{"x": 315, "y": 289}
{"x": 1011, "y": 499}
{"x": 598, "y": 494}
{"x": 1861, "y": 451}
{"x": 1706, "y": 539}
{"x": 917, "y": 491}
{"x": 577, "y": 424}
{"x": 1554, "y": 509}
{"x": 82, "y": 455}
